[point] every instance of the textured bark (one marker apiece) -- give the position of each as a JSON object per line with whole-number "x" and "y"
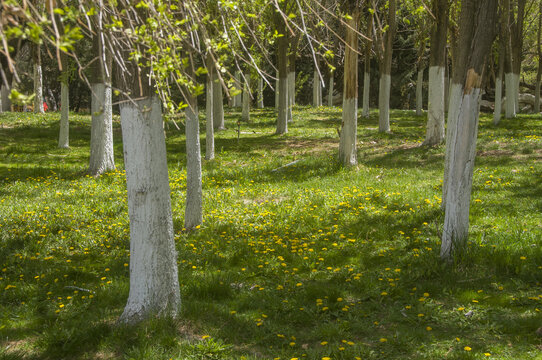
{"x": 367, "y": 64}
{"x": 6, "y": 102}
{"x": 498, "y": 86}
{"x": 291, "y": 93}
{"x": 516, "y": 27}
{"x": 245, "y": 114}
{"x": 260, "y": 94}
{"x": 366, "y": 93}
{"x": 330, "y": 90}
{"x": 348, "y": 138}
{"x": 536, "y": 107}
{"x": 38, "y": 80}
{"x": 435, "y": 113}
{"x": 154, "y": 286}
{"x": 101, "y": 132}
{"x": 419, "y": 93}
{"x": 193, "y": 214}
{"x": 510, "y": 105}
{"x": 237, "y": 99}
{"x": 282, "y": 54}
{"x": 477, "y": 31}
{"x": 277, "y": 85}
{"x": 316, "y": 89}
{"x": 64, "y": 136}
{"x": 385, "y": 71}
{"x": 218, "y": 103}
{"x": 209, "y": 109}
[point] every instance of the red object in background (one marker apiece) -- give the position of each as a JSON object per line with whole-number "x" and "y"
{"x": 45, "y": 107}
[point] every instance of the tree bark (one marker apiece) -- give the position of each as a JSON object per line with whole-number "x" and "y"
{"x": 237, "y": 99}
{"x": 516, "y": 28}
{"x": 64, "y": 136}
{"x": 437, "y": 69}
{"x": 193, "y": 215}
{"x": 277, "y": 85}
{"x": 330, "y": 91}
{"x": 348, "y": 138}
{"x": 218, "y": 103}
{"x": 536, "y": 108}
{"x": 260, "y": 93}
{"x": 477, "y": 22}
{"x": 102, "y": 157}
{"x": 209, "y": 109}
{"x": 5, "y": 91}
{"x": 282, "y": 53}
{"x": 245, "y": 114}
{"x": 385, "y": 71}
{"x": 38, "y": 80}
{"x": 154, "y": 286}
{"x": 419, "y": 92}
{"x": 316, "y": 90}
{"x": 367, "y": 64}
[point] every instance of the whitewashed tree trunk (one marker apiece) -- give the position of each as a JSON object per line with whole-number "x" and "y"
{"x": 64, "y": 136}
{"x": 316, "y": 90}
{"x": 516, "y": 93}
{"x": 218, "y": 104}
{"x": 209, "y": 123}
{"x": 101, "y": 134}
{"x": 384, "y": 103}
{"x": 510, "y": 86}
{"x": 193, "y": 213}
{"x": 456, "y": 91}
{"x": 348, "y": 136}
{"x": 291, "y": 87}
{"x": 463, "y": 129}
{"x": 154, "y": 284}
{"x": 282, "y": 120}
{"x": 330, "y": 91}
{"x": 366, "y": 93}
{"x": 498, "y": 101}
{"x": 38, "y": 89}
{"x": 237, "y": 99}
{"x": 260, "y": 93}
{"x": 435, "y": 109}
{"x": 447, "y": 92}
{"x": 245, "y": 113}
{"x": 419, "y": 93}
{"x": 6, "y": 102}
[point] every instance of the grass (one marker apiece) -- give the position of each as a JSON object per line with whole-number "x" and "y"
{"x": 311, "y": 261}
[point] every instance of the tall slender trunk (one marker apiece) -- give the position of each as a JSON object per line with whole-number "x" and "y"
{"x": 237, "y": 99}
{"x": 348, "y": 138}
{"x": 193, "y": 215}
{"x": 102, "y": 157}
{"x": 367, "y": 64}
{"x": 282, "y": 54}
{"x": 38, "y": 80}
{"x": 498, "y": 90}
{"x": 277, "y": 85}
{"x": 437, "y": 79}
{"x": 245, "y": 114}
{"x": 64, "y": 136}
{"x": 476, "y": 37}
{"x": 516, "y": 28}
{"x": 330, "y": 91}
{"x": 154, "y": 285}
{"x": 209, "y": 109}
{"x": 260, "y": 93}
{"x": 419, "y": 92}
{"x": 291, "y": 94}
{"x": 5, "y": 91}
{"x": 536, "y": 108}
{"x": 316, "y": 90}
{"x": 218, "y": 103}
{"x": 385, "y": 71}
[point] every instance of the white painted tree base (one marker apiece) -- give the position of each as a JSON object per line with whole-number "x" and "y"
{"x": 38, "y": 89}
{"x": 260, "y": 94}
{"x": 366, "y": 93}
{"x": 154, "y": 284}
{"x": 498, "y": 102}
{"x": 435, "y": 112}
{"x": 245, "y": 112}
{"x": 456, "y": 91}
{"x": 510, "y": 105}
{"x": 384, "y": 103}
{"x": 193, "y": 215}
{"x": 282, "y": 118}
{"x": 347, "y": 143}
{"x": 101, "y": 134}
{"x": 419, "y": 93}
{"x": 209, "y": 123}
{"x": 218, "y": 104}
{"x": 64, "y": 136}
{"x": 330, "y": 91}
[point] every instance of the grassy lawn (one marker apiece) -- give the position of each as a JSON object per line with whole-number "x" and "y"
{"x": 310, "y": 261}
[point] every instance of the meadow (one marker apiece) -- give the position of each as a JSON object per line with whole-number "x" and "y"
{"x": 307, "y": 261}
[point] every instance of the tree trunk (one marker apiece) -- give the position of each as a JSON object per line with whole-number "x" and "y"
{"x": 4, "y": 95}
{"x": 38, "y": 81}
{"x": 437, "y": 70}
{"x": 517, "y": 49}
{"x": 367, "y": 65}
{"x": 260, "y": 94}
{"x": 330, "y": 91}
{"x": 218, "y": 103}
{"x": 316, "y": 90}
{"x": 385, "y": 71}
{"x": 154, "y": 285}
{"x": 277, "y": 85}
{"x": 476, "y": 37}
{"x": 536, "y": 108}
{"x": 419, "y": 93}
{"x": 209, "y": 109}
{"x": 348, "y": 138}
{"x": 282, "y": 53}
{"x": 237, "y": 99}
{"x": 193, "y": 215}
{"x": 291, "y": 94}
{"x": 245, "y": 114}
{"x": 64, "y": 136}
{"x": 102, "y": 157}
{"x": 498, "y": 85}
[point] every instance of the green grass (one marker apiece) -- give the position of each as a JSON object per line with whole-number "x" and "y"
{"x": 307, "y": 262}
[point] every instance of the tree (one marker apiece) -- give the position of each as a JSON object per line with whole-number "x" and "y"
{"x": 209, "y": 108}
{"x": 476, "y": 35}
{"x": 38, "y": 80}
{"x": 436, "y": 104}
{"x": 64, "y": 135}
{"x": 367, "y": 62}
{"x": 102, "y": 157}
{"x": 348, "y": 137}
{"x": 539, "y": 70}
{"x": 282, "y": 61}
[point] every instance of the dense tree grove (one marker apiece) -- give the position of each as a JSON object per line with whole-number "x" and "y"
{"x": 150, "y": 59}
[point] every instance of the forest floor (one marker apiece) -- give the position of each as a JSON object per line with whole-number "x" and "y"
{"x": 310, "y": 261}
